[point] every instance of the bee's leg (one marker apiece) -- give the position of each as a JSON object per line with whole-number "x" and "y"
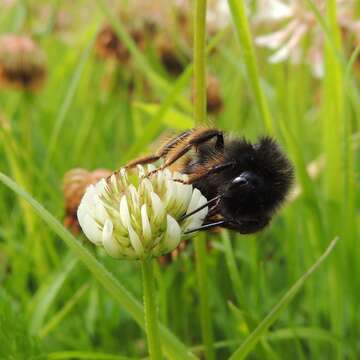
{"x": 243, "y": 227}
{"x": 203, "y": 172}
{"x": 248, "y": 226}
{"x": 208, "y": 226}
{"x": 142, "y": 161}
{"x": 215, "y": 199}
{"x": 162, "y": 152}
{"x": 193, "y": 139}
{"x": 214, "y": 209}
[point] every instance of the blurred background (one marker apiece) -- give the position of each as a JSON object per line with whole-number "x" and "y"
{"x": 89, "y": 85}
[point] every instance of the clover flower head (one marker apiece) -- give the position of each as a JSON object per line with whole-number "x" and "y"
{"x": 139, "y": 216}
{"x": 295, "y": 22}
{"x": 7, "y": 3}
{"x": 218, "y": 15}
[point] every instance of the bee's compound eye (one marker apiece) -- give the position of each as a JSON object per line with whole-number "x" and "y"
{"x": 240, "y": 180}
{"x": 247, "y": 178}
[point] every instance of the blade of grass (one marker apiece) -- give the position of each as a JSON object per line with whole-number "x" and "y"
{"x": 232, "y": 268}
{"x": 63, "y": 355}
{"x": 48, "y": 293}
{"x": 337, "y": 169}
{"x": 238, "y": 13}
{"x": 283, "y": 334}
{"x": 60, "y": 315}
{"x": 251, "y": 341}
{"x": 173, "y": 347}
{"x": 200, "y": 118}
{"x": 12, "y": 157}
{"x": 66, "y": 104}
{"x": 175, "y": 120}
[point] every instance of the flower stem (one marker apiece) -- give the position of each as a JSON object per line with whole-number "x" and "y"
{"x": 205, "y": 313}
{"x": 200, "y": 117}
{"x": 151, "y": 322}
{"x": 199, "y": 62}
{"x": 238, "y": 13}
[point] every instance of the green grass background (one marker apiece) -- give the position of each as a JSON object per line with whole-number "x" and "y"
{"x": 51, "y": 306}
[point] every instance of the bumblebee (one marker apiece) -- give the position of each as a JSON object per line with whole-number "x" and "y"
{"x": 245, "y": 183}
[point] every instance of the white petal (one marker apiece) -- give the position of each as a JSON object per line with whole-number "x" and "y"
{"x": 280, "y": 55}
{"x": 100, "y": 213}
{"x": 89, "y": 199}
{"x": 81, "y": 211}
{"x": 195, "y": 198}
{"x": 107, "y": 230}
{"x": 123, "y": 177}
{"x": 291, "y": 45}
{"x": 111, "y": 246}
{"x": 114, "y": 183}
{"x": 134, "y": 196}
{"x": 101, "y": 187}
{"x": 278, "y": 38}
{"x": 196, "y": 220}
{"x": 273, "y": 10}
{"x": 135, "y": 242}
{"x": 158, "y": 209}
{"x": 172, "y": 235}
{"x": 170, "y": 196}
{"x": 141, "y": 171}
{"x": 186, "y": 193}
{"x": 147, "y": 186}
{"x": 91, "y": 229}
{"x": 146, "y": 228}
{"x": 124, "y": 212}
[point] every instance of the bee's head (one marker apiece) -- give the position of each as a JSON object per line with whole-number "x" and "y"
{"x": 261, "y": 179}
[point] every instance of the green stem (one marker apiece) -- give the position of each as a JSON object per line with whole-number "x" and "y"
{"x": 151, "y": 322}
{"x": 205, "y": 313}
{"x": 200, "y": 62}
{"x": 238, "y": 13}
{"x": 200, "y": 117}
{"x": 232, "y": 268}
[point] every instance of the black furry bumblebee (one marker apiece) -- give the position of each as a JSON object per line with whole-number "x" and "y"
{"x": 244, "y": 183}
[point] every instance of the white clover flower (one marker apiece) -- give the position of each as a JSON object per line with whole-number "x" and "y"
{"x": 140, "y": 218}
{"x": 297, "y": 22}
{"x": 218, "y": 15}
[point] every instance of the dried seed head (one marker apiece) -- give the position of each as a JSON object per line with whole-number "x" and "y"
{"x": 172, "y": 59}
{"x": 22, "y": 62}
{"x": 109, "y": 46}
{"x": 75, "y": 183}
{"x": 140, "y": 218}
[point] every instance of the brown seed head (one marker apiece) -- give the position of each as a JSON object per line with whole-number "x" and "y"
{"x": 169, "y": 56}
{"x": 109, "y": 46}
{"x": 22, "y": 63}
{"x": 74, "y": 185}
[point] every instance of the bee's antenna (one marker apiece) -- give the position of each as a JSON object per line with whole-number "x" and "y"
{"x": 216, "y": 198}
